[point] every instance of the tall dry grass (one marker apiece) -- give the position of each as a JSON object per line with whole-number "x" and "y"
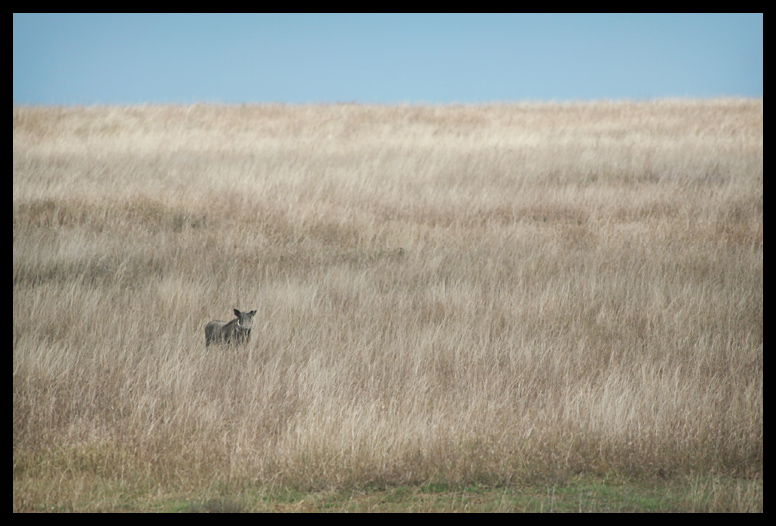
{"x": 494, "y": 294}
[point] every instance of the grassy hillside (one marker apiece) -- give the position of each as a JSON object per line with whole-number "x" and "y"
{"x": 503, "y": 296}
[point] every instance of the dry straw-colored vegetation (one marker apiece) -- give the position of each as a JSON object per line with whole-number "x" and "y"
{"x": 502, "y": 295}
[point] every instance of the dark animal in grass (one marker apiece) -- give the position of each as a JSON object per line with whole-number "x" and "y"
{"x": 236, "y": 331}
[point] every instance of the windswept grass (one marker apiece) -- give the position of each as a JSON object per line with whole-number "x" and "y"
{"x": 505, "y": 296}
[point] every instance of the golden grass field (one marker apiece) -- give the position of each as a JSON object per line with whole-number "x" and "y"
{"x": 501, "y": 296}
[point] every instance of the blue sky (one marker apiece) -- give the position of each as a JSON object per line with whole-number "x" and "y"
{"x": 437, "y": 59}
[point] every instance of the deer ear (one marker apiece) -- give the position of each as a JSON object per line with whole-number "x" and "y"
{"x": 236, "y": 313}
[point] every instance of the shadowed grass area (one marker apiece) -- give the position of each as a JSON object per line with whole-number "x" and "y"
{"x": 558, "y": 304}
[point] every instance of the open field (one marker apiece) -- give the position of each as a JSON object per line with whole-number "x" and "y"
{"x": 506, "y": 301}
